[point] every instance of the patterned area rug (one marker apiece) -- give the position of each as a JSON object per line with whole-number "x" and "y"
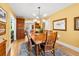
{"x": 24, "y": 52}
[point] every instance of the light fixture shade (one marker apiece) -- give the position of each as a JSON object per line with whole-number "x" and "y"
{"x": 38, "y": 21}
{"x": 35, "y": 20}
{"x": 43, "y": 20}
{"x": 37, "y": 17}
{"x": 44, "y": 15}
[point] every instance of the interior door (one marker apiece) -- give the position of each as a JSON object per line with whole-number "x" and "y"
{"x": 20, "y": 28}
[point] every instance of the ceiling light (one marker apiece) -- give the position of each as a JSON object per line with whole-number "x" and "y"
{"x": 35, "y": 20}
{"x": 43, "y": 20}
{"x": 44, "y": 15}
{"x": 38, "y": 21}
{"x": 37, "y": 17}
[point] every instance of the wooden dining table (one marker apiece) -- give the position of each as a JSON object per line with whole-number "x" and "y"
{"x": 38, "y": 39}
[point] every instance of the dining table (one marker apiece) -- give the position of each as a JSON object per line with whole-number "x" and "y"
{"x": 38, "y": 39}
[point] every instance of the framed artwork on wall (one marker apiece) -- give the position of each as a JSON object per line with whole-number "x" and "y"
{"x": 60, "y": 24}
{"x": 2, "y": 15}
{"x": 2, "y": 21}
{"x": 76, "y": 23}
{"x": 2, "y": 28}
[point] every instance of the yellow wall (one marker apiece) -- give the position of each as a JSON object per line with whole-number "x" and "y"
{"x": 70, "y": 36}
{"x": 6, "y": 36}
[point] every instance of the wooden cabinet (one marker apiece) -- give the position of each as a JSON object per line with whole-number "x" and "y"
{"x": 37, "y": 25}
{"x": 3, "y": 48}
{"x": 20, "y": 28}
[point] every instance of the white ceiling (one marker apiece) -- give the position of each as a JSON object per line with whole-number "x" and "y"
{"x": 27, "y": 10}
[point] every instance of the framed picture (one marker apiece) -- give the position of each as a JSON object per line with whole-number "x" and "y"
{"x": 76, "y": 23}
{"x": 2, "y": 15}
{"x": 2, "y": 28}
{"x": 60, "y": 24}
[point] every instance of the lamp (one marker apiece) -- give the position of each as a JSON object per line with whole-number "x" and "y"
{"x": 39, "y": 20}
{"x": 39, "y": 16}
{"x": 43, "y": 20}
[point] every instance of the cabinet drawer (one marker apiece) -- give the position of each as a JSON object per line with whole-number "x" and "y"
{"x": 3, "y": 52}
{"x": 3, "y": 48}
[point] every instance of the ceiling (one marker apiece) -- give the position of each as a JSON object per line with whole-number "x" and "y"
{"x": 30, "y": 10}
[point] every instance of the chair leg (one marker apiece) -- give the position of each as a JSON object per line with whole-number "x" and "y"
{"x": 40, "y": 51}
{"x": 53, "y": 52}
{"x": 44, "y": 53}
{"x": 29, "y": 54}
{"x": 29, "y": 50}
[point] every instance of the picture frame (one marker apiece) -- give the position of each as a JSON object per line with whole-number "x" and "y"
{"x": 2, "y": 28}
{"x": 2, "y": 15}
{"x": 60, "y": 24}
{"x": 76, "y": 23}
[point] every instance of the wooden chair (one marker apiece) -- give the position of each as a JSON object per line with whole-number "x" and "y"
{"x": 49, "y": 45}
{"x": 30, "y": 45}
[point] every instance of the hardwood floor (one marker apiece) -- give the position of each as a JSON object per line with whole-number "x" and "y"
{"x": 68, "y": 51}
{"x": 16, "y": 48}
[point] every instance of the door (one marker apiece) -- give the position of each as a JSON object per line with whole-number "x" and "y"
{"x": 20, "y": 28}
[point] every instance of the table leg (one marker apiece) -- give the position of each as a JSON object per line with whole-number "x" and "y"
{"x": 37, "y": 49}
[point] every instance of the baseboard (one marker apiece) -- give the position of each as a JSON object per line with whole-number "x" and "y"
{"x": 8, "y": 49}
{"x": 68, "y": 46}
{"x": 8, "y": 54}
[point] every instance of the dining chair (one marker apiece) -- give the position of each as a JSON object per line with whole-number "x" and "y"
{"x": 30, "y": 44}
{"x": 49, "y": 45}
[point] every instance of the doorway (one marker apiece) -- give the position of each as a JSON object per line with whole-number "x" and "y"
{"x": 13, "y": 28}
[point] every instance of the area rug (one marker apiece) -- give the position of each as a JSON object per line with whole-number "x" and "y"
{"x": 24, "y": 51}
